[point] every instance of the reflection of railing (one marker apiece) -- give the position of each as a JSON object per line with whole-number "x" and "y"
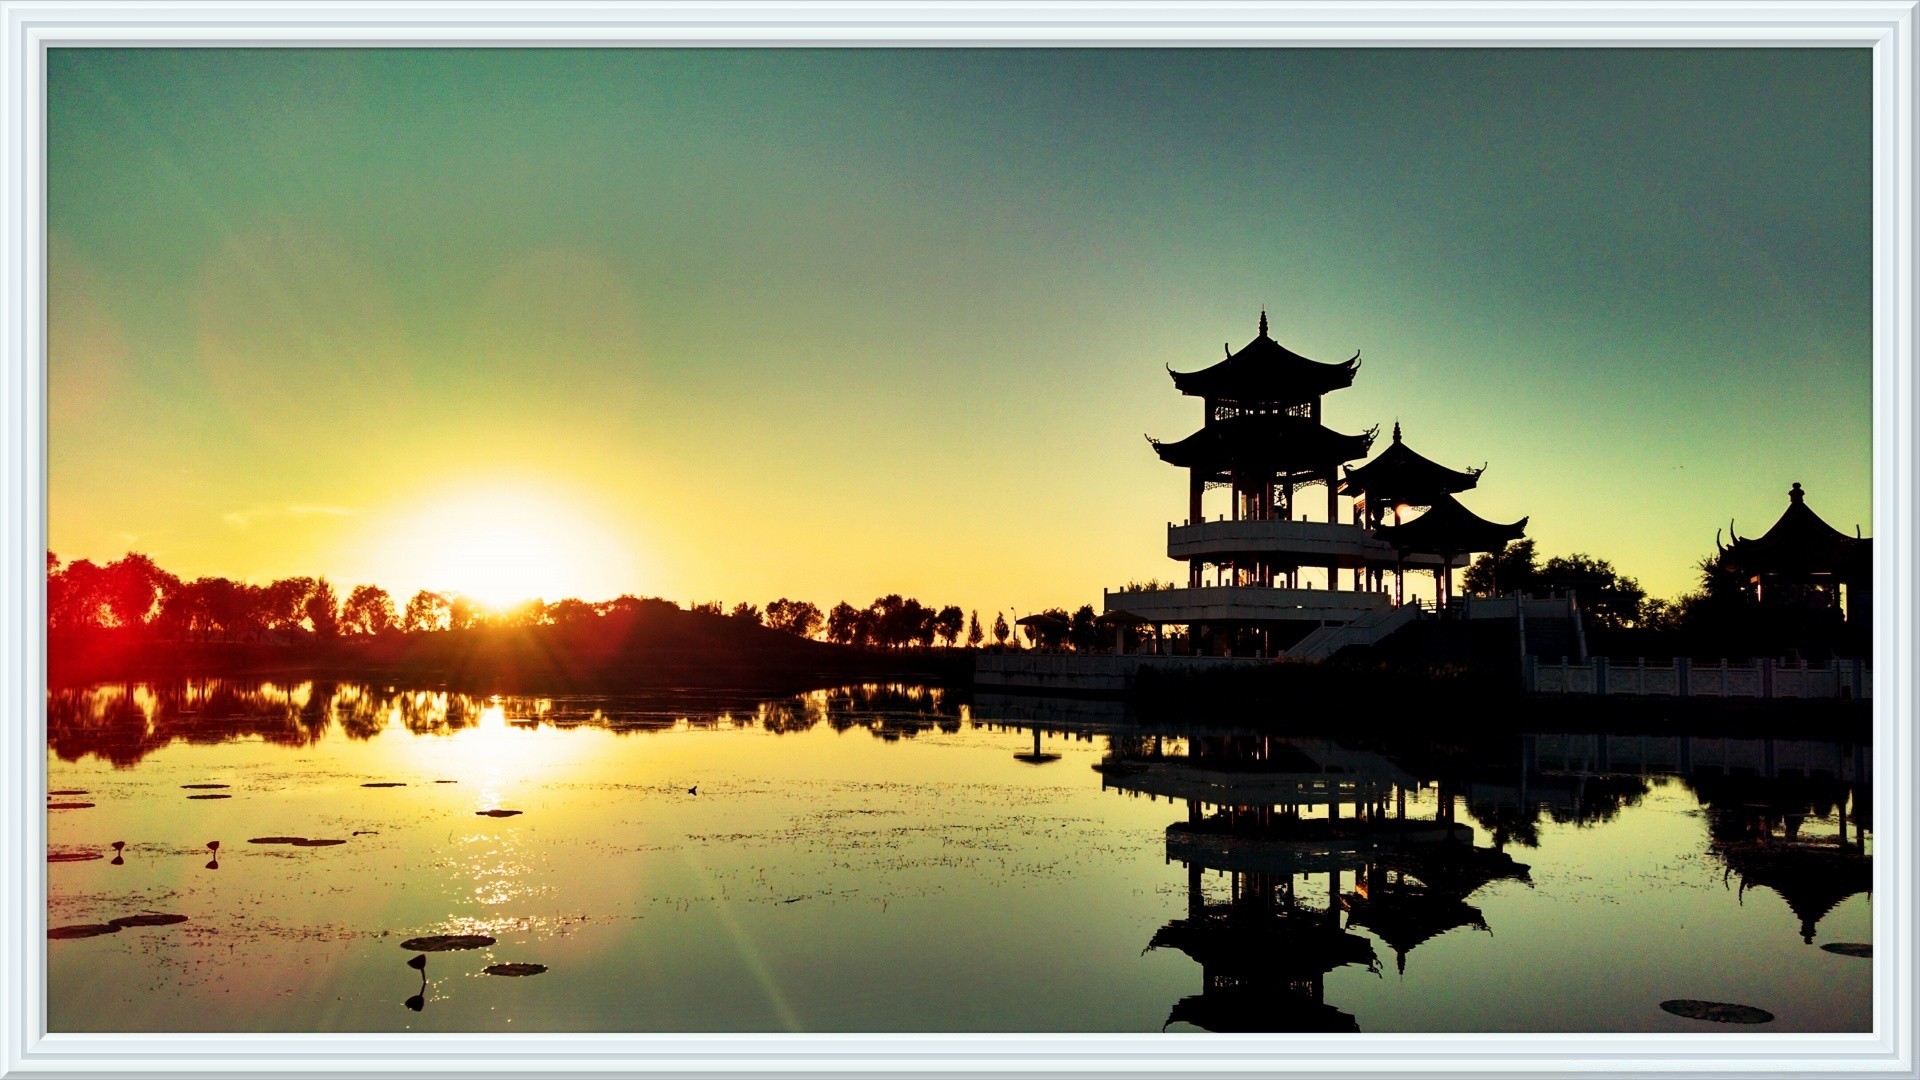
{"x": 1765, "y": 679}
{"x": 1086, "y": 671}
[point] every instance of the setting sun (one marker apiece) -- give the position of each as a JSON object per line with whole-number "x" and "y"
{"x": 504, "y": 546}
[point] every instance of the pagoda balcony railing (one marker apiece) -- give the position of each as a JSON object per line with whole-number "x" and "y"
{"x": 1245, "y": 603}
{"x": 1311, "y": 543}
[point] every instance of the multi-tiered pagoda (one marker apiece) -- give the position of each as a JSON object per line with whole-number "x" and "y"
{"x": 1263, "y": 576}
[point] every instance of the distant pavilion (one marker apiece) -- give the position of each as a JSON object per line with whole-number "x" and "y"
{"x": 1803, "y": 562}
{"x": 1263, "y": 440}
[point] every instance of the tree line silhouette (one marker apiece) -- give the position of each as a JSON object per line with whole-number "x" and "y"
{"x": 135, "y": 595}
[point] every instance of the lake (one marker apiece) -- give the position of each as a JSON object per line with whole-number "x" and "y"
{"x": 894, "y": 858}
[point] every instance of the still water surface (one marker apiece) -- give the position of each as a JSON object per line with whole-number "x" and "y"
{"x": 880, "y": 859}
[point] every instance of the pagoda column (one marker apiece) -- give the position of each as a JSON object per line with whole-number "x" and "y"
{"x": 1196, "y": 486}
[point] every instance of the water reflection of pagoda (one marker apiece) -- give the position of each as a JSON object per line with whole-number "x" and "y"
{"x": 1269, "y": 815}
{"x": 1790, "y": 815}
{"x": 1759, "y": 827}
{"x": 1275, "y": 567}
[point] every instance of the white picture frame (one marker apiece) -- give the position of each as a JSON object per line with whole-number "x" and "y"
{"x": 30, "y": 27}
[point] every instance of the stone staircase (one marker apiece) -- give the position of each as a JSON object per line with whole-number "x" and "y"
{"x": 1370, "y": 629}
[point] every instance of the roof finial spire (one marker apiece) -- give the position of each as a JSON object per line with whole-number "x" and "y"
{"x": 1396, "y": 431}
{"x": 1263, "y": 322}
{"x": 1795, "y": 494}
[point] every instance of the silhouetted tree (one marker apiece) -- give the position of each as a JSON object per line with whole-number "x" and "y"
{"x": 746, "y": 612}
{"x": 949, "y": 623}
{"x": 1054, "y": 630}
{"x": 1083, "y": 633}
{"x": 796, "y": 617}
{"x": 629, "y": 606}
{"x": 571, "y": 612}
{"x": 323, "y": 610}
{"x": 284, "y": 604}
{"x": 843, "y": 624}
{"x": 76, "y": 597}
{"x": 368, "y": 610}
{"x": 133, "y": 586}
{"x": 710, "y": 608}
{"x": 463, "y": 613}
{"x": 427, "y": 611}
{"x": 525, "y": 613}
{"x": 974, "y": 635}
{"x": 1000, "y": 627}
{"x": 1513, "y": 570}
{"x": 1612, "y": 600}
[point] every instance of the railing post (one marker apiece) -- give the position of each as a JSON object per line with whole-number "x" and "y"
{"x": 1683, "y": 676}
{"x": 1766, "y": 677}
{"x": 1600, "y": 688}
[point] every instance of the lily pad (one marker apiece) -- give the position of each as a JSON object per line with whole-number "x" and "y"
{"x": 495, "y": 813}
{"x": 69, "y": 805}
{"x": 447, "y": 942}
{"x": 192, "y": 787}
{"x": 69, "y": 791}
{"x": 61, "y": 933}
{"x": 209, "y": 796}
{"x": 150, "y": 918}
{"x": 1719, "y": 1012}
{"x": 446, "y": 781}
{"x": 515, "y": 969}
{"x": 72, "y": 856}
{"x": 276, "y": 840}
{"x": 384, "y": 783}
{"x": 301, "y": 841}
{"x": 1850, "y": 948}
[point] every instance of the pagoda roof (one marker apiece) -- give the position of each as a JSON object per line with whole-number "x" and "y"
{"x": 1265, "y": 370}
{"x": 1407, "y": 916}
{"x": 1812, "y": 878}
{"x": 1800, "y": 544}
{"x": 1456, "y": 869}
{"x": 1263, "y": 442}
{"x": 1402, "y": 475}
{"x": 1449, "y": 528}
{"x": 1280, "y": 943}
{"x": 1250, "y": 1009}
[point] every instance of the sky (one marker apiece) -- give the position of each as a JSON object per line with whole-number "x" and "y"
{"x": 827, "y": 324}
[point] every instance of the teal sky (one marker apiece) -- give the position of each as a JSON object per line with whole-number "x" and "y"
{"x": 832, "y": 323}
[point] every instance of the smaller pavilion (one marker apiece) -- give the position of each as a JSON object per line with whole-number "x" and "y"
{"x": 1399, "y": 478}
{"x": 1803, "y": 562}
{"x": 1452, "y": 532}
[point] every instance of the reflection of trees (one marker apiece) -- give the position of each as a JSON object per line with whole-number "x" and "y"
{"x": 888, "y": 710}
{"x": 123, "y": 724}
{"x": 1513, "y": 815}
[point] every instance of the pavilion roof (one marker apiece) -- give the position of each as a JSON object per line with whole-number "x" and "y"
{"x": 1812, "y": 878}
{"x": 1266, "y": 371}
{"x": 1402, "y": 475}
{"x": 1264, "y": 442}
{"x": 1280, "y": 943}
{"x": 1405, "y": 916}
{"x": 1260, "y": 1009}
{"x": 1448, "y": 528}
{"x": 1800, "y": 544}
{"x": 1456, "y": 869}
